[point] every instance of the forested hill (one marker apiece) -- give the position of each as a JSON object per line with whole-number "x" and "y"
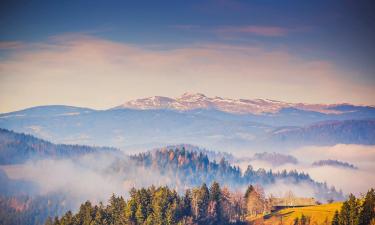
{"x": 191, "y": 168}
{"x": 17, "y": 148}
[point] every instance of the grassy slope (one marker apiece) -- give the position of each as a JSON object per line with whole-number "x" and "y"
{"x": 318, "y": 214}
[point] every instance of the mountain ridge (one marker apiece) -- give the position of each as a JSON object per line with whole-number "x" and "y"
{"x": 201, "y": 124}
{"x": 191, "y": 101}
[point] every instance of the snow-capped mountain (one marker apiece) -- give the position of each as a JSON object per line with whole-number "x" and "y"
{"x": 216, "y": 123}
{"x": 191, "y": 101}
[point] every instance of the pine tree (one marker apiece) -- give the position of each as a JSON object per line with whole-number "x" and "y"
{"x": 305, "y": 220}
{"x": 99, "y": 218}
{"x": 368, "y": 208}
{"x": 200, "y": 202}
{"x": 56, "y": 221}
{"x": 67, "y": 218}
{"x": 49, "y": 221}
{"x": 130, "y": 210}
{"x": 85, "y": 214}
{"x": 335, "y": 220}
{"x": 344, "y": 214}
{"x": 187, "y": 203}
{"x": 140, "y": 214}
{"x": 171, "y": 214}
{"x": 354, "y": 209}
{"x": 248, "y": 191}
{"x": 116, "y": 209}
{"x": 296, "y": 221}
{"x": 215, "y": 203}
{"x": 160, "y": 205}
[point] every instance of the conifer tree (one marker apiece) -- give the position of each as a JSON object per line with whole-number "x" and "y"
{"x": 368, "y": 208}
{"x": 248, "y": 191}
{"x": 353, "y": 209}
{"x": 130, "y": 210}
{"x": 49, "y": 221}
{"x": 215, "y": 210}
{"x": 140, "y": 214}
{"x": 345, "y": 214}
{"x": 335, "y": 220}
{"x": 187, "y": 203}
{"x": 296, "y": 221}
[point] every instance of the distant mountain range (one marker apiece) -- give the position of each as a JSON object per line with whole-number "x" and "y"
{"x": 215, "y": 123}
{"x": 192, "y": 101}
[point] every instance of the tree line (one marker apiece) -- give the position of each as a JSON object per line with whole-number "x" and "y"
{"x": 192, "y": 168}
{"x": 201, "y": 205}
{"x": 357, "y": 211}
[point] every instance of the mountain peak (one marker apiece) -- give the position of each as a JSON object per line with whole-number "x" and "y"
{"x": 192, "y": 96}
{"x": 191, "y": 101}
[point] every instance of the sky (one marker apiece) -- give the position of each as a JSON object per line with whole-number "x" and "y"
{"x": 99, "y": 54}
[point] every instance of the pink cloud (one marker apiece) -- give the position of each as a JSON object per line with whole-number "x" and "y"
{"x": 270, "y": 31}
{"x": 11, "y": 45}
{"x": 99, "y": 73}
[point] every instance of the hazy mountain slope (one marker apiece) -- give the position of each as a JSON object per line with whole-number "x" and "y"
{"x": 17, "y": 148}
{"x": 128, "y": 127}
{"x": 327, "y": 133}
{"x": 48, "y": 110}
{"x": 190, "y": 168}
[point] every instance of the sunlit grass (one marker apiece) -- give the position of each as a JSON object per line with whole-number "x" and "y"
{"x": 319, "y": 214}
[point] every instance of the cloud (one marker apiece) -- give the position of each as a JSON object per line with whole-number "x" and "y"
{"x": 355, "y": 181}
{"x": 83, "y": 70}
{"x": 348, "y": 180}
{"x": 280, "y": 188}
{"x": 7, "y": 45}
{"x": 269, "y": 31}
{"x": 362, "y": 156}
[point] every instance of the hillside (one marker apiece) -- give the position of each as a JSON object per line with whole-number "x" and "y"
{"x": 17, "y": 148}
{"x": 327, "y": 133}
{"x": 318, "y": 214}
{"x": 191, "y": 168}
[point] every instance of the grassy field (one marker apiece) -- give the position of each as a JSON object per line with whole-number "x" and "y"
{"x": 319, "y": 214}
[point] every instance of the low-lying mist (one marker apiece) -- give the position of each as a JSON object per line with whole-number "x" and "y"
{"x": 96, "y": 177}
{"x": 348, "y": 180}
{"x": 93, "y": 177}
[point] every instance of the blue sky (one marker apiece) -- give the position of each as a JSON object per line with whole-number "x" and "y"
{"x": 340, "y": 33}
